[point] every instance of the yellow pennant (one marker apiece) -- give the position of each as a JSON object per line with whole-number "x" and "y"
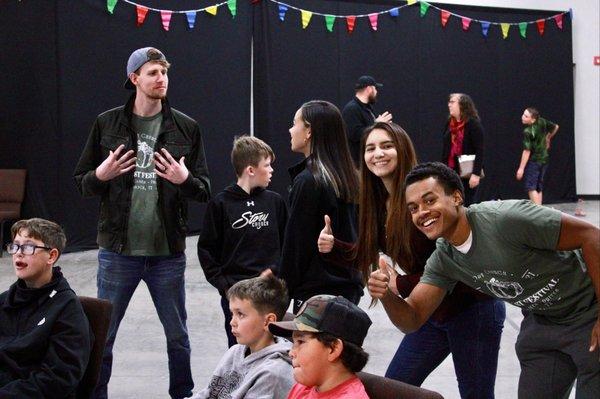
{"x": 505, "y": 28}
{"x": 212, "y": 10}
{"x": 306, "y": 16}
{"x": 410, "y": 2}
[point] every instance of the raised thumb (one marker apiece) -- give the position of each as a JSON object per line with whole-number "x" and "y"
{"x": 328, "y": 225}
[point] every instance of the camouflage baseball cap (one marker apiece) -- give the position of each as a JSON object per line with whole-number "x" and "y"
{"x": 329, "y": 314}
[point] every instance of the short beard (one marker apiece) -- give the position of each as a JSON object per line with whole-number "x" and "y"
{"x": 372, "y": 98}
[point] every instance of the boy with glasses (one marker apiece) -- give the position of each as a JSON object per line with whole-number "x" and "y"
{"x": 45, "y": 339}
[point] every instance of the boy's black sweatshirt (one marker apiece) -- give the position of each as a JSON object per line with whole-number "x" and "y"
{"x": 305, "y": 270}
{"x": 45, "y": 340}
{"x": 242, "y": 235}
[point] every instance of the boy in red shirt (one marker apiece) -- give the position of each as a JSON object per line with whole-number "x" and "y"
{"x": 328, "y": 333}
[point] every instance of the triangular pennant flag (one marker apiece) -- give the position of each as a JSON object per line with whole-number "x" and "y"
{"x": 306, "y": 16}
{"x": 329, "y": 20}
{"x": 282, "y": 10}
{"x": 191, "y": 18}
{"x": 410, "y": 2}
{"x": 485, "y": 27}
{"x": 394, "y": 12}
{"x": 505, "y": 27}
{"x": 350, "y": 20}
{"x": 541, "y": 25}
{"x": 110, "y": 5}
{"x": 559, "y": 20}
{"x": 232, "y": 5}
{"x": 424, "y": 8}
{"x": 212, "y": 10}
{"x": 141, "y": 14}
{"x": 466, "y": 22}
{"x": 444, "y": 15}
{"x": 165, "y": 16}
{"x": 523, "y": 29}
{"x": 373, "y": 18}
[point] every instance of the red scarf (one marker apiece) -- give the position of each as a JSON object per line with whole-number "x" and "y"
{"x": 457, "y": 134}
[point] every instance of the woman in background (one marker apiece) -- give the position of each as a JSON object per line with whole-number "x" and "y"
{"x": 324, "y": 183}
{"x": 464, "y": 135}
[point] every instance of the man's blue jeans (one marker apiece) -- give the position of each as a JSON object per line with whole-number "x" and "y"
{"x": 118, "y": 277}
{"x": 473, "y": 338}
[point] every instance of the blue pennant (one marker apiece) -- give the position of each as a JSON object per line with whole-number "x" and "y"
{"x": 282, "y": 11}
{"x": 395, "y": 11}
{"x": 191, "y": 17}
{"x": 485, "y": 27}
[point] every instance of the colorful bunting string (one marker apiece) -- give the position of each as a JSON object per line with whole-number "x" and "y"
{"x": 424, "y": 7}
{"x": 165, "y": 15}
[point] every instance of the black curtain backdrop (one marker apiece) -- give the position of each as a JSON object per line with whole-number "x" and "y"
{"x": 64, "y": 63}
{"x": 420, "y": 63}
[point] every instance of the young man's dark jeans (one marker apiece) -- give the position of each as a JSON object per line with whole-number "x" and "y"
{"x": 118, "y": 277}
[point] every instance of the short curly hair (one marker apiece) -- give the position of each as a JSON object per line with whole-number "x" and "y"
{"x": 447, "y": 177}
{"x": 353, "y": 357}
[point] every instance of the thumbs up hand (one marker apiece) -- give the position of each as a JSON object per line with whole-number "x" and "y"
{"x": 379, "y": 280}
{"x": 326, "y": 238}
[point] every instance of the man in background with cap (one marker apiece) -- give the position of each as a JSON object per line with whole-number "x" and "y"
{"x": 144, "y": 160}
{"x": 358, "y": 114}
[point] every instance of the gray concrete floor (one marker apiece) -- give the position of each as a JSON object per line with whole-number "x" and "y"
{"x": 140, "y": 368}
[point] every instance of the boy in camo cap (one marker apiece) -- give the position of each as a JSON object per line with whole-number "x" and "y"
{"x": 328, "y": 333}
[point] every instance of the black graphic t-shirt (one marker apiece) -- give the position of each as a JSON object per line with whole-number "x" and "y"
{"x": 514, "y": 257}
{"x": 145, "y": 232}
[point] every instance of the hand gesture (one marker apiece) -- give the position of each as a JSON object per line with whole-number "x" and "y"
{"x": 325, "y": 241}
{"x": 115, "y": 164}
{"x": 379, "y": 280}
{"x": 474, "y": 181}
{"x": 168, "y": 168}
{"x": 520, "y": 174}
{"x": 385, "y": 117}
{"x": 267, "y": 273}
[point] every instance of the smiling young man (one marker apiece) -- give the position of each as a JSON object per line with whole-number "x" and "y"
{"x": 145, "y": 160}
{"x": 537, "y": 258}
{"x": 45, "y": 340}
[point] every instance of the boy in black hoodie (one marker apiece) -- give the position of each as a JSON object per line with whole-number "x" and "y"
{"x": 244, "y": 224}
{"x": 45, "y": 340}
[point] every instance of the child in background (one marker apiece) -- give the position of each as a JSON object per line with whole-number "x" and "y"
{"x": 244, "y": 224}
{"x": 258, "y": 367}
{"x": 328, "y": 333}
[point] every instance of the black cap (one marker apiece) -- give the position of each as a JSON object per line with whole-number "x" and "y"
{"x": 365, "y": 81}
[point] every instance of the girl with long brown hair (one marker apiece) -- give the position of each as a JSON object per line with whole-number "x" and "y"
{"x": 467, "y": 324}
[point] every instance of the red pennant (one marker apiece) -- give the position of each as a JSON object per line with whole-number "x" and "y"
{"x": 559, "y": 20}
{"x": 465, "y": 23}
{"x": 541, "y": 24}
{"x": 350, "y": 20}
{"x": 141, "y": 14}
{"x": 445, "y": 15}
{"x": 165, "y": 15}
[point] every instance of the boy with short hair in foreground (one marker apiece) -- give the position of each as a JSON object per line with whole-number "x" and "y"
{"x": 328, "y": 333}
{"x": 258, "y": 367}
{"x": 45, "y": 340}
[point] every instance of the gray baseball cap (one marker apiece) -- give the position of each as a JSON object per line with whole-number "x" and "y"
{"x": 138, "y": 58}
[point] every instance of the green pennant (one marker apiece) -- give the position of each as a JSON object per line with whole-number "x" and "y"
{"x": 424, "y": 8}
{"x": 232, "y": 5}
{"x": 523, "y": 29}
{"x": 110, "y": 5}
{"x": 329, "y": 20}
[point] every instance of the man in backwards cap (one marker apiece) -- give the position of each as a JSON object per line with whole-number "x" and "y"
{"x": 144, "y": 160}
{"x": 358, "y": 114}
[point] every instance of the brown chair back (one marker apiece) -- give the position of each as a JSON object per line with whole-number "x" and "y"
{"x": 12, "y": 191}
{"x": 98, "y": 312}
{"x": 378, "y": 387}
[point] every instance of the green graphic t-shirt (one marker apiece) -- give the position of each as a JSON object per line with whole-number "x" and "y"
{"x": 145, "y": 232}
{"x": 513, "y": 257}
{"x": 534, "y": 139}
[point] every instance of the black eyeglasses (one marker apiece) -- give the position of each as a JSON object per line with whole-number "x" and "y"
{"x": 26, "y": 249}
